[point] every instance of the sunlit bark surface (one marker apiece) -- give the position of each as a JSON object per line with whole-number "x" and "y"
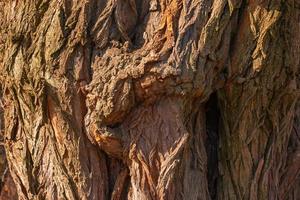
{"x": 153, "y": 99}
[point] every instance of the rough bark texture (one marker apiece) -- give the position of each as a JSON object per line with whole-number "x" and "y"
{"x": 7, "y": 187}
{"x": 153, "y": 99}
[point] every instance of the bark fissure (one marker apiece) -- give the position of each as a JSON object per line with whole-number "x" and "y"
{"x": 212, "y": 143}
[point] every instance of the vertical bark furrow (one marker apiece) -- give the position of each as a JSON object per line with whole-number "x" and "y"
{"x": 212, "y": 143}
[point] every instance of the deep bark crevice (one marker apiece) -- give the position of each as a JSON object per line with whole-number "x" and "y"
{"x": 212, "y": 143}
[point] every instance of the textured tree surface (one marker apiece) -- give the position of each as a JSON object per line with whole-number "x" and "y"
{"x": 152, "y": 99}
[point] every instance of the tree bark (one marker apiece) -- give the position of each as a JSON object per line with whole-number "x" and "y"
{"x": 154, "y": 99}
{"x": 7, "y": 187}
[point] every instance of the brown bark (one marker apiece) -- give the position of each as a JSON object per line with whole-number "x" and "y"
{"x": 154, "y": 99}
{"x": 7, "y": 186}
{"x": 258, "y": 107}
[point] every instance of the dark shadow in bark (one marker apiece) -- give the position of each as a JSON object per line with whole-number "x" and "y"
{"x": 212, "y": 142}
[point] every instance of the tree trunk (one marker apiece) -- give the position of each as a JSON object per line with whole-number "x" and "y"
{"x": 153, "y": 99}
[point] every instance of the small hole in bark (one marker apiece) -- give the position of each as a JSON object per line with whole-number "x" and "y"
{"x": 212, "y": 142}
{"x": 115, "y": 125}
